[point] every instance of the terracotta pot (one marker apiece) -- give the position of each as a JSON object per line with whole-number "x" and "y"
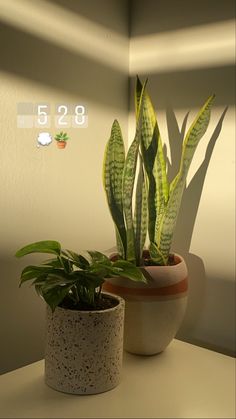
{"x": 84, "y": 349}
{"x": 61, "y": 144}
{"x": 153, "y": 311}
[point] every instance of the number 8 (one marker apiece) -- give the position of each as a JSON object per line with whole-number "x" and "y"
{"x": 79, "y": 114}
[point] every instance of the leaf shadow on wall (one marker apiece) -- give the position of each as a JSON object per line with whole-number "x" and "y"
{"x": 187, "y": 217}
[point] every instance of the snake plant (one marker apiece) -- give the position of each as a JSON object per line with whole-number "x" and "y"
{"x": 140, "y": 197}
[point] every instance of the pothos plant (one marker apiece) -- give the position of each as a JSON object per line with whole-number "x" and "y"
{"x": 70, "y": 278}
{"x": 140, "y": 177}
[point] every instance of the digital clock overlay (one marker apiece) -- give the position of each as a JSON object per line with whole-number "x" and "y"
{"x": 45, "y": 116}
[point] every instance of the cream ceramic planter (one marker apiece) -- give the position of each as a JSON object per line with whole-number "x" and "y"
{"x": 153, "y": 311}
{"x": 84, "y": 349}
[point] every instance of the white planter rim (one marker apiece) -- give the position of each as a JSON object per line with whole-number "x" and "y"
{"x": 178, "y": 259}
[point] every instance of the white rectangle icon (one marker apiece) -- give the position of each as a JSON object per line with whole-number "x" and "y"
{"x": 25, "y": 121}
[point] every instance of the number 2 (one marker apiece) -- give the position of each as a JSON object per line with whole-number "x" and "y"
{"x": 60, "y": 119}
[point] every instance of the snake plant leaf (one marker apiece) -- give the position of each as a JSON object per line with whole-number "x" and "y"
{"x": 150, "y": 123}
{"x": 45, "y": 246}
{"x": 156, "y": 255}
{"x": 128, "y": 184}
{"x": 193, "y": 136}
{"x": 119, "y": 244}
{"x": 154, "y": 161}
{"x": 140, "y": 214}
{"x": 149, "y": 156}
{"x": 113, "y": 167}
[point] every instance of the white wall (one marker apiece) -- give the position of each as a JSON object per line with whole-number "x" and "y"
{"x": 54, "y": 52}
{"x": 68, "y": 51}
{"x": 187, "y": 50}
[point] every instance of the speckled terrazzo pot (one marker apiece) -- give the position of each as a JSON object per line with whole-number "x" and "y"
{"x": 84, "y": 349}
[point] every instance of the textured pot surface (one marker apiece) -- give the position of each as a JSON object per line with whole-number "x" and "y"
{"x": 84, "y": 349}
{"x": 153, "y": 311}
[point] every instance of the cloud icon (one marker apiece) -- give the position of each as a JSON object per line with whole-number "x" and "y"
{"x": 44, "y": 138}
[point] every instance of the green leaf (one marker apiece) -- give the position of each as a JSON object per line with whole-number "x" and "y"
{"x": 31, "y": 272}
{"x": 55, "y": 295}
{"x": 98, "y": 257}
{"x": 66, "y": 264}
{"x": 149, "y": 157}
{"x": 88, "y": 279}
{"x": 113, "y": 166}
{"x": 78, "y": 260}
{"x": 104, "y": 270}
{"x": 46, "y": 246}
{"x": 54, "y": 279}
{"x": 156, "y": 255}
{"x": 55, "y": 262}
{"x": 140, "y": 215}
{"x": 128, "y": 184}
{"x": 129, "y": 270}
{"x": 154, "y": 161}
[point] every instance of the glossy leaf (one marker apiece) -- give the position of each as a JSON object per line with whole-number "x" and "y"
{"x": 55, "y": 295}
{"x": 78, "y": 260}
{"x": 31, "y": 272}
{"x": 46, "y": 246}
{"x": 98, "y": 257}
{"x": 129, "y": 270}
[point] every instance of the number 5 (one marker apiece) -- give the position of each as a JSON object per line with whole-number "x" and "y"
{"x": 42, "y": 115}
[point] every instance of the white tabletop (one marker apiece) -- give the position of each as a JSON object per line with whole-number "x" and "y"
{"x": 185, "y": 381}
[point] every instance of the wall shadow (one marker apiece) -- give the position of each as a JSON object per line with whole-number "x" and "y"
{"x": 187, "y": 217}
{"x": 210, "y": 319}
{"x": 192, "y": 194}
{"x": 27, "y": 56}
{"x": 19, "y": 329}
{"x": 183, "y": 14}
{"x": 184, "y": 88}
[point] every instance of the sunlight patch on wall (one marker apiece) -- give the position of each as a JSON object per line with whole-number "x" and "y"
{"x": 204, "y": 46}
{"x": 66, "y": 29}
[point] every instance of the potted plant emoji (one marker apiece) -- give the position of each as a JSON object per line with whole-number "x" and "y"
{"x": 61, "y": 139}
{"x": 154, "y": 310}
{"x": 84, "y": 334}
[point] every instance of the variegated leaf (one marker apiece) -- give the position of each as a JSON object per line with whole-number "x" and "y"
{"x": 140, "y": 215}
{"x": 128, "y": 184}
{"x": 112, "y": 180}
{"x": 156, "y": 255}
{"x": 154, "y": 161}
